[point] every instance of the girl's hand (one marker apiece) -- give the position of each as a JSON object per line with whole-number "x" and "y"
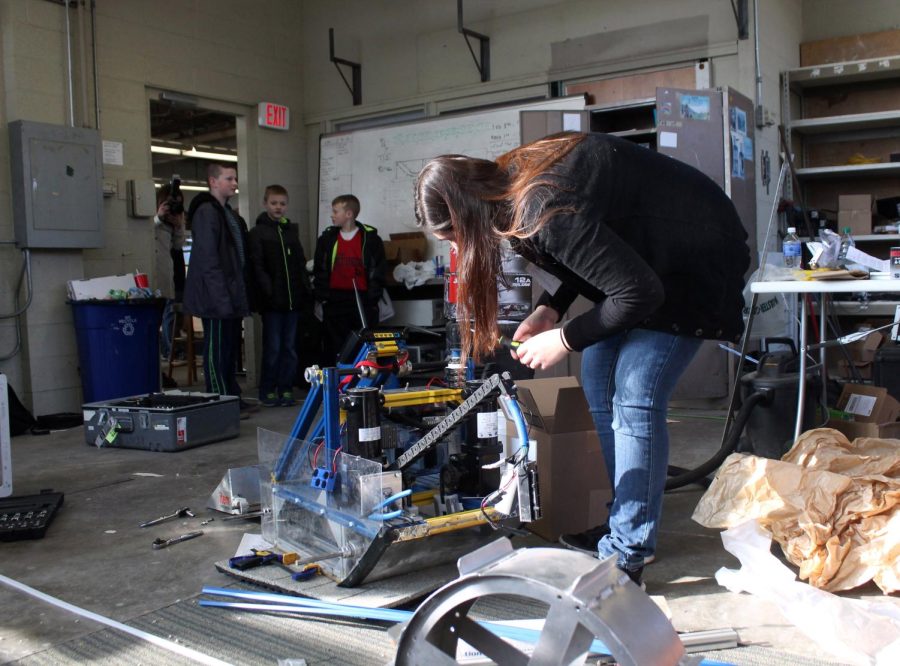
{"x": 543, "y": 350}
{"x": 542, "y": 319}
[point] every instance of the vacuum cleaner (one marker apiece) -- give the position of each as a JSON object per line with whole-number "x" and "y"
{"x": 767, "y": 412}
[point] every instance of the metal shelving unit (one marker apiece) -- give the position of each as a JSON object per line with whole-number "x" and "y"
{"x": 850, "y": 171}
{"x": 861, "y": 118}
{"x": 797, "y": 84}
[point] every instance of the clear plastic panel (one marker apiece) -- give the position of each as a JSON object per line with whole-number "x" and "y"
{"x": 310, "y": 520}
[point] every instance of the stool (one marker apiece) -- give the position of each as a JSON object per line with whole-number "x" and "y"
{"x": 188, "y": 339}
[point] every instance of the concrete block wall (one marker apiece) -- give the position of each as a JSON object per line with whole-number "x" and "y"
{"x": 413, "y": 57}
{"x": 231, "y": 54}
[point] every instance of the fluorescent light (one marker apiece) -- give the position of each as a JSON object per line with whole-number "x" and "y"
{"x": 192, "y": 188}
{"x": 178, "y": 98}
{"x": 194, "y": 153}
{"x": 199, "y": 154}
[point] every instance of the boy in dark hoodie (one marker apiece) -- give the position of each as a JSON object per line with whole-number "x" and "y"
{"x": 216, "y": 288}
{"x": 283, "y": 292}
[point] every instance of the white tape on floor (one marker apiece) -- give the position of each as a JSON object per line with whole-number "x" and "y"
{"x": 187, "y": 652}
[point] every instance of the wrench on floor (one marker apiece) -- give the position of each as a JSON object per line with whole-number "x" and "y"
{"x": 180, "y": 513}
{"x": 165, "y": 543}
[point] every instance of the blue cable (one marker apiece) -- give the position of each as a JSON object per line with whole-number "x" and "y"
{"x": 386, "y": 516}
{"x": 385, "y": 502}
{"x": 392, "y": 498}
{"x": 521, "y": 426}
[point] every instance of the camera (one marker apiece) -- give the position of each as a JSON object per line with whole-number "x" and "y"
{"x": 175, "y": 202}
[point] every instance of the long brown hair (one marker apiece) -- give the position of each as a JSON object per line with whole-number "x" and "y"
{"x": 477, "y": 204}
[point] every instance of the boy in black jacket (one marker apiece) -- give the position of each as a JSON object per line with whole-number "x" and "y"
{"x": 216, "y": 287}
{"x": 283, "y": 292}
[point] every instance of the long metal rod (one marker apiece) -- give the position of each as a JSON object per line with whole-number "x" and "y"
{"x": 772, "y": 213}
{"x": 745, "y": 339}
{"x": 801, "y": 379}
{"x": 823, "y": 373}
{"x": 82, "y": 63}
{"x": 94, "y": 66}
{"x": 69, "y": 66}
{"x": 759, "y": 80}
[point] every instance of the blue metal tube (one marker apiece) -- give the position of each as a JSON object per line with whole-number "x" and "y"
{"x": 355, "y": 523}
{"x": 298, "y": 605}
{"x": 287, "y": 462}
{"x": 368, "y": 614}
{"x": 332, "y": 411}
{"x": 306, "y": 606}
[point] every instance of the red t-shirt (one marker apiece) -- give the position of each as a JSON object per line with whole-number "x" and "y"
{"x": 348, "y": 265}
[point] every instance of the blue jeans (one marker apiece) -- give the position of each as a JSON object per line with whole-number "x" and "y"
{"x": 628, "y": 380}
{"x": 279, "y": 361}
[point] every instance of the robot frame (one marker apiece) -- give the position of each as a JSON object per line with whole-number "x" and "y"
{"x": 379, "y": 480}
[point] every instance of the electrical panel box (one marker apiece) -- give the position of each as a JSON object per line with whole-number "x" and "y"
{"x": 56, "y": 185}
{"x": 141, "y": 198}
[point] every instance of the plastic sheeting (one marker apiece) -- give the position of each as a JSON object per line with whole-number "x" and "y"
{"x": 861, "y": 632}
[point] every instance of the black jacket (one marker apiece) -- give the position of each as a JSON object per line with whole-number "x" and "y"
{"x": 373, "y": 260}
{"x": 279, "y": 266}
{"x": 651, "y": 240}
{"x": 216, "y": 286}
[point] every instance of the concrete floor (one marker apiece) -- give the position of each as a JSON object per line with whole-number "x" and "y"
{"x": 95, "y": 556}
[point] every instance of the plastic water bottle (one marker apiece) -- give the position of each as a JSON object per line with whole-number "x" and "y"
{"x": 791, "y": 249}
{"x": 846, "y": 243}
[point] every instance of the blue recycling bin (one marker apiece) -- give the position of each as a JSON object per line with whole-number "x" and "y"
{"x": 118, "y": 347}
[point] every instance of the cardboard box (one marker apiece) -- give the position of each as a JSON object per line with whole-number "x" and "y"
{"x": 405, "y": 247}
{"x": 874, "y": 411}
{"x": 855, "y": 211}
{"x": 862, "y": 355}
{"x": 861, "y": 202}
{"x": 859, "y": 221}
{"x": 573, "y": 482}
{"x": 98, "y": 288}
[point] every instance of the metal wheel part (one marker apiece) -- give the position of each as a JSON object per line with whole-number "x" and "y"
{"x": 586, "y": 599}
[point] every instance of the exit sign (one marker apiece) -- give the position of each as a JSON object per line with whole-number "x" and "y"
{"x": 274, "y": 116}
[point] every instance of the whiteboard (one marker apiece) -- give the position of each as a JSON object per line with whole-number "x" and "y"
{"x": 379, "y": 165}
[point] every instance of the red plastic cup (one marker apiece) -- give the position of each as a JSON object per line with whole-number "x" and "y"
{"x": 141, "y": 280}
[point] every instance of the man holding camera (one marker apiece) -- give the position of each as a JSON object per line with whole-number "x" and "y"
{"x": 169, "y": 257}
{"x": 216, "y": 289}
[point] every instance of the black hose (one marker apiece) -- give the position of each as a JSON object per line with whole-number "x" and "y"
{"x": 675, "y": 470}
{"x": 728, "y": 445}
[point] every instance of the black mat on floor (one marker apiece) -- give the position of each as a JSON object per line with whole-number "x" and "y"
{"x": 240, "y": 637}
